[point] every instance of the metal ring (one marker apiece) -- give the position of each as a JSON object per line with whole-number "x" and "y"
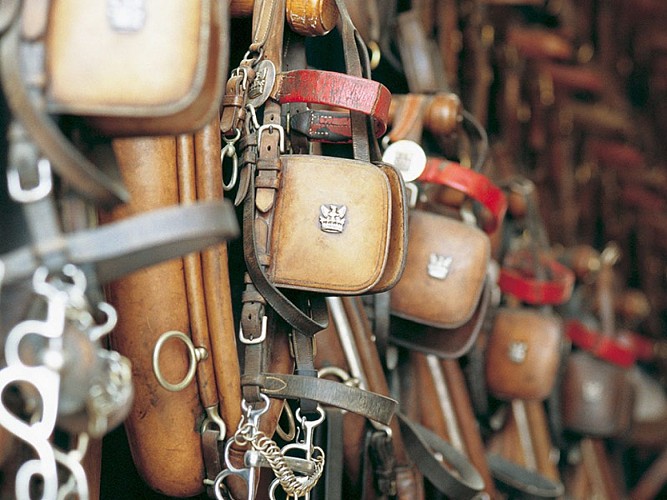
{"x": 376, "y": 54}
{"x": 196, "y": 355}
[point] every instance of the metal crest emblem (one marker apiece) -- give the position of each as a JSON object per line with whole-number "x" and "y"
{"x": 332, "y": 218}
{"x": 262, "y": 84}
{"x": 126, "y": 15}
{"x": 408, "y": 157}
{"x": 517, "y": 352}
{"x": 439, "y": 266}
{"x": 592, "y": 391}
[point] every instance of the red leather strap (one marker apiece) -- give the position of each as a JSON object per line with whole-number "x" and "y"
{"x": 535, "y": 291}
{"x": 338, "y": 90}
{"x": 646, "y": 349}
{"x": 602, "y": 346}
{"x": 473, "y": 184}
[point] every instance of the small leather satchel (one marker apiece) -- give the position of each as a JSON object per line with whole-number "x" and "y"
{"x": 142, "y": 67}
{"x": 443, "y": 286}
{"x": 523, "y": 353}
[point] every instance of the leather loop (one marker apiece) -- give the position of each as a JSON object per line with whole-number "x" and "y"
{"x": 602, "y": 346}
{"x": 328, "y": 392}
{"x": 535, "y": 291}
{"x": 422, "y": 444}
{"x": 327, "y": 126}
{"x": 338, "y": 90}
{"x": 120, "y": 248}
{"x": 476, "y": 186}
{"x": 521, "y": 482}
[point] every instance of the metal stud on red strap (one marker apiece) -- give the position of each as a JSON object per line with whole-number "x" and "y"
{"x": 603, "y": 346}
{"x": 473, "y": 184}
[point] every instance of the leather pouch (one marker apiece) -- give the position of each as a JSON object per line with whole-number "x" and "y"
{"x": 597, "y": 396}
{"x": 523, "y": 354}
{"x": 332, "y": 225}
{"x": 445, "y": 271}
{"x": 148, "y": 67}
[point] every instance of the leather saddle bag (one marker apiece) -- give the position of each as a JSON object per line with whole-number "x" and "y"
{"x": 444, "y": 285}
{"x": 140, "y": 67}
{"x": 597, "y": 396}
{"x": 523, "y": 353}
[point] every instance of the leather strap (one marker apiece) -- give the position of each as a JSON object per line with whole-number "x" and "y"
{"x": 340, "y": 90}
{"x": 521, "y": 482}
{"x": 327, "y": 392}
{"x": 535, "y": 291}
{"x": 327, "y": 126}
{"x": 601, "y": 345}
{"x": 422, "y": 445}
{"x": 475, "y": 185}
{"x": 86, "y": 178}
{"x": 8, "y": 11}
{"x": 122, "y": 247}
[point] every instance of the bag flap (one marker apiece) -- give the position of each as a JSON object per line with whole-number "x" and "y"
{"x": 331, "y": 225}
{"x": 444, "y": 273}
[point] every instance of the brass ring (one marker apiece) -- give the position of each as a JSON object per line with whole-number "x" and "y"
{"x": 196, "y": 354}
{"x": 376, "y": 54}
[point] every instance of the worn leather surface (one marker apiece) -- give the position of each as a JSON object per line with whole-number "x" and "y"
{"x": 307, "y": 258}
{"x": 540, "y": 334}
{"x": 166, "y": 77}
{"x": 448, "y": 302}
{"x": 162, "y": 425}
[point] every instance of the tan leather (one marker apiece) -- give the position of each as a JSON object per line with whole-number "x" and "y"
{"x": 307, "y": 258}
{"x": 446, "y": 302}
{"x": 311, "y": 17}
{"x": 162, "y": 425}
{"x": 523, "y": 354}
{"x": 597, "y": 396}
{"x": 164, "y": 78}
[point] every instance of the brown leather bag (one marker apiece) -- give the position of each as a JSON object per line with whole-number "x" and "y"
{"x": 147, "y": 67}
{"x": 523, "y": 353}
{"x": 597, "y": 396}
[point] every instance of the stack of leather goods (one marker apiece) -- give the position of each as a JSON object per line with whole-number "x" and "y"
{"x": 332, "y": 249}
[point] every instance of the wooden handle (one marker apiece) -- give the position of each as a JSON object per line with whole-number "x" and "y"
{"x": 311, "y": 17}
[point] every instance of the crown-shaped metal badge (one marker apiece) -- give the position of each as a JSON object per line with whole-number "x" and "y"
{"x": 126, "y": 15}
{"x": 332, "y": 219}
{"x": 438, "y": 266}
{"x": 592, "y": 391}
{"x": 517, "y": 352}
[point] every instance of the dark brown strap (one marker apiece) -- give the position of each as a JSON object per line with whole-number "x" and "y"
{"x": 422, "y": 445}
{"x": 122, "y": 247}
{"x": 86, "y": 178}
{"x": 521, "y": 482}
{"x": 328, "y": 392}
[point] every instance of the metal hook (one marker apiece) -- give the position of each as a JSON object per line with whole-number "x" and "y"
{"x": 196, "y": 354}
{"x": 290, "y": 433}
{"x": 229, "y": 151}
{"x": 376, "y": 54}
{"x": 36, "y": 193}
{"x": 97, "y": 332}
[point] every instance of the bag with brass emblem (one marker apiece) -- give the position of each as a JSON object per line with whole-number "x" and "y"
{"x": 146, "y": 67}
{"x": 523, "y": 353}
{"x": 444, "y": 284}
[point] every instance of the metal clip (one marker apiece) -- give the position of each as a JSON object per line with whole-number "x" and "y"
{"x": 196, "y": 354}
{"x": 229, "y": 151}
{"x": 33, "y": 194}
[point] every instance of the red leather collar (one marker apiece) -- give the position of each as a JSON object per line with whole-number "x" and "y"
{"x": 334, "y": 89}
{"x": 473, "y": 184}
{"x": 538, "y": 292}
{"x": 602, "y": 346}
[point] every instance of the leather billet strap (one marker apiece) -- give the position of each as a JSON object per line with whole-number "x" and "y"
{"x": 475, "y": 185}
{"x": 531, "y": 290}
{"x": 86, "y": 178}
{"x": 422, "y": 444}
{"x": 327, "y": 126}
{"x": 8, "y": 11}
{"x": 340, "y": 90}
{"x": 521, "y": 482}
{"x": 601, "y": 345}
{"x": 120, "y": 248}
{"x": 327, "y": 392}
